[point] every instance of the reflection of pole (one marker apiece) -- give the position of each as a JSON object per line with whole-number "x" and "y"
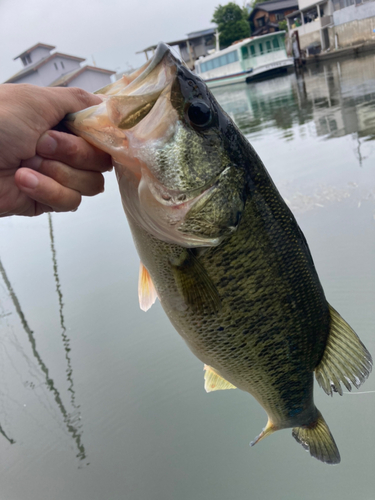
{"x": 11, "y": 441}
{"x": 64, "y": 336}
{"x": 49, "y": 382}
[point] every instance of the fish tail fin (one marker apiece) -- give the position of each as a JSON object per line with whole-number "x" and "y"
{"x": 318, "y": 440}
{"x": 269, "y": 429}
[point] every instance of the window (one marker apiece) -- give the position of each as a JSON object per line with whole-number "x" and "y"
{"x": 55, "y": 65}
{"x": 279, "y": 16}
{"x": 275, "y": 43}
{"x": 62, "y": 65}
{"x": 231, "y": 57}
{"x": 261, "y": 48}
{"x": 261, "y": 22}
{"x": 268, "y": 45}
{"x": 252, "y": 50}
{"x": 245, "y": 52}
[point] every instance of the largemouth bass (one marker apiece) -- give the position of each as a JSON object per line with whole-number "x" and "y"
{"x": 221, "y": 250}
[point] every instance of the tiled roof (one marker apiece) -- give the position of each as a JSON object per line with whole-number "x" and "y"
{"x": 273, "y": 6}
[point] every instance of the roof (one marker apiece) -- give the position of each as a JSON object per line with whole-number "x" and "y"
{"x": 305, "y": 9}
{"x": 274, "y": 5}
{"x": 33, "y": 67}
{"x": 63, "y": 80}
{"x": 190, "y": 36}
{"x": 196, "y": 34}
{"x": 43, "y": 45}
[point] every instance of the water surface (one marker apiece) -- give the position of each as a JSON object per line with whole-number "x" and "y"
{"x": 99, "y": 400}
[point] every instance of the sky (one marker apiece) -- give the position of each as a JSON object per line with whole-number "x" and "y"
{"x": 108, "y": 31}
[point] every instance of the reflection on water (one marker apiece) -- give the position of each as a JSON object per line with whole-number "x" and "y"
{"x": 71, "y": 420}
{"x": 339, "y": 98}
{"x": 74, "y": 343}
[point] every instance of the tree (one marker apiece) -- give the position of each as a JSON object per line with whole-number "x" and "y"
{"x": 231, "y": 23}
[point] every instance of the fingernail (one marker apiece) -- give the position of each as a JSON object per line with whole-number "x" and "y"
{"x": 47, "y": 145}
{"x": 34, "y": 163}
{"x": 29, "y": 180}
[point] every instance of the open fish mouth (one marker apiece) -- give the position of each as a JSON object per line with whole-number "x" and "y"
{"x": 166, "y": 171}
{"x": 163, "y": 212}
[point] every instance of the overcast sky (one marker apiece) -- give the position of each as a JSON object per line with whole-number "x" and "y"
{"x": 111, "y": 31}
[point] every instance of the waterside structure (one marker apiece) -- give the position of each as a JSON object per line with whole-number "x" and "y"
{"x": 333, "y": 25}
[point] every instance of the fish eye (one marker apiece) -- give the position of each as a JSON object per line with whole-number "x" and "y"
{"x": 199, "y": 114}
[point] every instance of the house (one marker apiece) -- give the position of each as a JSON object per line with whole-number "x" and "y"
{"x": 58, "y": 70}
{"x": 333, "y": 24}
{"x": 195, "y": 45}
{"x": 265, "y": 16}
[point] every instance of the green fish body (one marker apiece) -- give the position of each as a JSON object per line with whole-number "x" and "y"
{"x": 222, "y": 251}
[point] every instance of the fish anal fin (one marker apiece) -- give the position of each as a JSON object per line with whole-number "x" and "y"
{"x": 318, "y": 440}
{"x": 214, "y": 382}
{"x": 345, "y": 359}
{"x": 267, "y": 431}
{"x": 146, "y": 289}
{"x": 194, "y": 284}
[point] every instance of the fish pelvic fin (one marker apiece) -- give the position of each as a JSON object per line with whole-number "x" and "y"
{"x": 194, "y": 284}
{"x": 146, "y": 289}
{"x": 318, "y": 440}
{"x": 345, "y": 359}
{"x": 214, "y": 382}
{"x": 269, "y": 429}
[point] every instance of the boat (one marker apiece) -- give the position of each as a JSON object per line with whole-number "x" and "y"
{"x": 250, "y": 59}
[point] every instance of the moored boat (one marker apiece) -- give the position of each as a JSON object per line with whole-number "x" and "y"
{"x": 252, "y": 58}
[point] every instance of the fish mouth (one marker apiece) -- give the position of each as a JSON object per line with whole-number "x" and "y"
{"x": 162, "y": 212}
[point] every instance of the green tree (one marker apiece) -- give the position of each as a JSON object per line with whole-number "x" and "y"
{"x": 231, "y": 23}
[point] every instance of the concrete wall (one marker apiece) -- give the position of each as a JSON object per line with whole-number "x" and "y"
{"x": 303, "y": 4}
{"x": 354, "y": 13}
{"x": 355, "y": 32}
{"x": 305, "y": 40}
{"x": 90, "y": 80}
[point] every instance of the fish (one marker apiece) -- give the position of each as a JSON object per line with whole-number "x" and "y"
{"x": 221, "y": 250}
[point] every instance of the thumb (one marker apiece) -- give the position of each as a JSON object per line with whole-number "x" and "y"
{"x": 68, "y": 100}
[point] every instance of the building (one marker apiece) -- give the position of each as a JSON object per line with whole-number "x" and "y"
{"x": 333, "y": 24}
{"x": 58, "y": 70}
{"x": 195, "y": 45}
{"x": 265, "y": 16}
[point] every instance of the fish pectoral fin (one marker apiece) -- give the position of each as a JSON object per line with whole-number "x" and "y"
{"x": 318, "y": 440}
{"x": 345, "y": 358}
{"x": 146, "y": 289}
{"x": 267, "y": 431}
{"x": 214, "y": 382}
{"x": 194, "y": 284}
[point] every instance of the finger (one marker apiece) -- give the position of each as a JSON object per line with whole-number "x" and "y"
{"x": 66, "y": 100}
{"x": 73, "y": 151}
{"x": 47, "y": 191}
{"x": 85, "y": 182}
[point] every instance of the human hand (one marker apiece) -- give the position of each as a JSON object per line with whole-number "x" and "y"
{"x": 43, "y": 170}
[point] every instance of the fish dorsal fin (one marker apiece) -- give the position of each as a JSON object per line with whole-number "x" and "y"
{"x": 345, "y": 358}
{"x": 146, "y": 290}
{"x": 213, "y": 381}
{"x": 194, "y": 284}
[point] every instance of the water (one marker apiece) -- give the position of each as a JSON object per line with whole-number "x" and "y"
{"x": 99, "y": 400}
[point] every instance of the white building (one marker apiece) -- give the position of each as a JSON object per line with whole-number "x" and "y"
{"x": 333, "y": 24}
{"x": 58, "y": 70}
